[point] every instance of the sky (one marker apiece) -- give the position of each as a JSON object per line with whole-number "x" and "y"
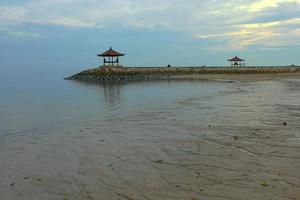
{"x": 67, "y": 34}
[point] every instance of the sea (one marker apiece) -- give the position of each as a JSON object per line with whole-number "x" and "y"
{"x": 34, "y": 100}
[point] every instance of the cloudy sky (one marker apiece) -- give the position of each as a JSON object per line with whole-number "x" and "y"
{"x": 69, "y": 33}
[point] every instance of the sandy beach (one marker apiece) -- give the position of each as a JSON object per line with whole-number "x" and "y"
{"x": 241, "y": 142}
{"x": 242, "y": 77}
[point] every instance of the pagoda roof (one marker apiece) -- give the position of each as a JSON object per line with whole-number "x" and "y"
{"x": 111, "y": 53}
{"x": 236, "y": 59}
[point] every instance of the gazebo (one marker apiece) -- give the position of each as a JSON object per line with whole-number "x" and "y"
{"x": 236, "y": 61}
{"x": 111, "y": 58}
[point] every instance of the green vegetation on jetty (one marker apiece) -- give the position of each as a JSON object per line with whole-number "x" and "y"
{"x": 154, "y": 73}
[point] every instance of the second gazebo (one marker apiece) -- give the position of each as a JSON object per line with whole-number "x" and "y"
{"x": 236, "y": 61}
{"x": 111, "y": 58}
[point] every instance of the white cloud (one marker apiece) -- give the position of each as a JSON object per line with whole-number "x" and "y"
{"x": 225, "y": 21}
{"x": 271, "y": 34}
{"x": 257, "y": 6}
{"x": 19, "y": 33}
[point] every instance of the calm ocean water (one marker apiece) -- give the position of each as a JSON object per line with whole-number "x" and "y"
{"x": 39, "y": 100}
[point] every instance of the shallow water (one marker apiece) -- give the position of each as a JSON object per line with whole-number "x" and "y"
{"x": 37, "y": 103}
{"x": 150, "y": 140}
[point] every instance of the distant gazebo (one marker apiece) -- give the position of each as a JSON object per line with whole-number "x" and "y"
{"x": 236, "y": 61}
{"x": 111, "y": 58}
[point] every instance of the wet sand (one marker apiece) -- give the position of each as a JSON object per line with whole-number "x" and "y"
{"x": 240, "y": 143}
{"x": 241, "y": 77}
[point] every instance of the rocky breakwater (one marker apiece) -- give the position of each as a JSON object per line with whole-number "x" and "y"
{"x": 117, "y": 74}
{"x": 159, "y": 73}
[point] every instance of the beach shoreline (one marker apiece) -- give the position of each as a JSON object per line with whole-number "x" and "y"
{"x": 240, "y": 77}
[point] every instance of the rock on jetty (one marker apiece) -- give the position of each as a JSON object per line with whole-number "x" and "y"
{"x": 158, "y": 73}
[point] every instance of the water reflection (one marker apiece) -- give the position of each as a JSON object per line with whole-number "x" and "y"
{"x": 112, "y": 92}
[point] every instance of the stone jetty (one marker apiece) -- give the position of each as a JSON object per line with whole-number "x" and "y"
{"x": 159, "y": 73}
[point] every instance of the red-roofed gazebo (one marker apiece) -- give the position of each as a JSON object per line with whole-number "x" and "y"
{"x": 236, "y": 61}
{"x": 111, "y": 57}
